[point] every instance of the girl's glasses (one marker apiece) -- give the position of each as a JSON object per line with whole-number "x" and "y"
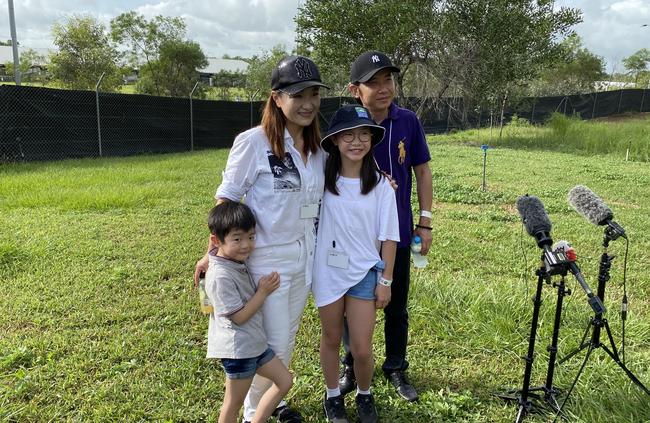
{"x": 363, "y": 137}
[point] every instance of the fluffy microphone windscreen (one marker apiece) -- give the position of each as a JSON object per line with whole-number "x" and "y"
{"x": 532, "y": 212}
{"x": 589, "y": 205}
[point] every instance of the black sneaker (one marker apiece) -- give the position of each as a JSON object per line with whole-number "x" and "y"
{"x": 347, "y": 381}
{"x": 405, "y": 390}
{"x": 366, "y": 410}
{"x": 335, "y": 409}
{"x": 285, "y": 414}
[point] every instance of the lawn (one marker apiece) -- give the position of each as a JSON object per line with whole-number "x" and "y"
{"x": 99, "y": 320}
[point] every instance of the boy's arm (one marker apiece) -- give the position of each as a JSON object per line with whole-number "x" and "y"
{"x": 266, "y": 286}
{"x": 424, "y": 188}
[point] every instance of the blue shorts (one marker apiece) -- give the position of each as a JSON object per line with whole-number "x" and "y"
{"x": 244, "y": 368}
{"x": 365, "y": 290}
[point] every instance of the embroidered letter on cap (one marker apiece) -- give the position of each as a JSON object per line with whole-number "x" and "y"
{"x": 374, "y": 58}
{"x": 303, "y": 69}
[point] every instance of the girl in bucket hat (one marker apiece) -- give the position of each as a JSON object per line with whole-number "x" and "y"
{"x": 357, "y": 238}
{"x": 278, "y": 168}
{"x": 403, "y": 154}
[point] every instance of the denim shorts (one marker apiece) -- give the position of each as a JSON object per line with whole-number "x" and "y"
{"x": 244, "y": 368}
{"x": 365, "y": 290}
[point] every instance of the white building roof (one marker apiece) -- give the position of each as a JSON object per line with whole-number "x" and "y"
{"x": 7, "y": 54}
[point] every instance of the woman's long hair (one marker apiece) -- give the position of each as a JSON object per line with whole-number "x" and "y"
{"x": 274, "y": 122}
{"x": 369, "y": 173}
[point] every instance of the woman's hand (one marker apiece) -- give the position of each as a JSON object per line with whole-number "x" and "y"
{"x": 382, "y": 296}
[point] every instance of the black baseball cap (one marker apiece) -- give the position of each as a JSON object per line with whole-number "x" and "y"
{"x": 368, "y": 64}
{"x": 295, "y": 73}
{"x": 350, "y": 117}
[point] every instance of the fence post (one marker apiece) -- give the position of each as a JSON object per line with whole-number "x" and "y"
{"x": 532, "y": 113}
{"x": 341, "y": 95}
{"x": 503, "y": 108}
{"x": 99, "y": 125}
{"x": 620, "y": 98}
{"x": 566, "y": 100}
{"x": 250, "y": 100}
{"x": 593, "y": 109}
{"x": 643, "y": 98}
{"x": 192, "y": 117}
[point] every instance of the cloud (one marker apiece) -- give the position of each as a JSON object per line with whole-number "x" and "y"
{"x": 610, "y": 28}
{"x": 235, "y": 27}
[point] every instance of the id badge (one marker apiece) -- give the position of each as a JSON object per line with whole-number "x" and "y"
{"x": 309, "y": 211}
{"x": 338, "y": 259}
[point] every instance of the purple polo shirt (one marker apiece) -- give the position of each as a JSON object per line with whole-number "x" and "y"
{"x": 403, "y": 147}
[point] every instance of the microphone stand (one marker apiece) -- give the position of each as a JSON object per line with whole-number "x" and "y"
{"x": 522, "y": 396}
{"x": 596, "y": 324}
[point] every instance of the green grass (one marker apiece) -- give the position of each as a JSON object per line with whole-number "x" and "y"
{"x": 99, "y": 321}
{"x": 567, "y": 134}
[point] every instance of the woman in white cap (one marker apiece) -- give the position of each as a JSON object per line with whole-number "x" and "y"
{"x": 357, "y": 239}
{"x": 277, "y": 169}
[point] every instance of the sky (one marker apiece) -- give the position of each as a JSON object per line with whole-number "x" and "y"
{"x": 612, "y": 29}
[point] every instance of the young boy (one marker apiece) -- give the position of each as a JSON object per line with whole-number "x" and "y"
{"x": 402, "y": 152}
{"x": 235, "y": 332}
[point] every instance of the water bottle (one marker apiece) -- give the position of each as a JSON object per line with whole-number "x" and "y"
{"x": 204, "y": 301}
{"x": 419, "y": 261}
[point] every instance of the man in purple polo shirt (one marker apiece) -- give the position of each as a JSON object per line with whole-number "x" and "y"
{"x": 404, "y": 151}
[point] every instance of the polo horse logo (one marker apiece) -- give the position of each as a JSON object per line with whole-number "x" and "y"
{"x": 303, "y": 69}
{"x": 402, "y": 151}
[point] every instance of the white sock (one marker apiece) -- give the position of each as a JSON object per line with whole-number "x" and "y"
{"x": 361, "y": 392}
{"x": 333, "y": 392}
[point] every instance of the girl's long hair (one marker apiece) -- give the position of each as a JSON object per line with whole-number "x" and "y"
{"x": 370, "y": 175}
{"x": 274, "y": 122}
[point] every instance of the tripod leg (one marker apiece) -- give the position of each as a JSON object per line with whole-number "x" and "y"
{"x": 575, "y": 381}
{"x": 582, "y": 346}
{"x": 523, "y": 410}
{"x": 614, "y": 355}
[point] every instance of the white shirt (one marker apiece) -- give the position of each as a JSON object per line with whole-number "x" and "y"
{"x": 275, "y": 189}
{"x": 353, "y": 224}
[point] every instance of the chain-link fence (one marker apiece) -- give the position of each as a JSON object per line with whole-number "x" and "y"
{"x": 50, "y": 124}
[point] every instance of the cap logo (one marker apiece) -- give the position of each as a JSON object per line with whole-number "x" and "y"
{"x": 375, "y": 58}
{"x": 361, "y": 112}
{"x": 303, "y": 69}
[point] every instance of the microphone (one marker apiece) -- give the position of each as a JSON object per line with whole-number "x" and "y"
{"x": 535, "y": 220}
{"x": 570, "y": 253}
{"x": 594, "y": 209}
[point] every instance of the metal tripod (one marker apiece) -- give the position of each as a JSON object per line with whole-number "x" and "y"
{"x": 596, "y": 324}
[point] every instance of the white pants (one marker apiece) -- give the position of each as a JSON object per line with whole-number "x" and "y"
{"x": 282, "y": 309}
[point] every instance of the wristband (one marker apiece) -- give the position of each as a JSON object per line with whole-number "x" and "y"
{"x": 385, "y": 282}
{"x": 424, "y": 227}
{"x": 426, "y": 213}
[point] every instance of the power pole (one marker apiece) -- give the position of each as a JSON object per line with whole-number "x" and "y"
{"x": 14, "y": 42}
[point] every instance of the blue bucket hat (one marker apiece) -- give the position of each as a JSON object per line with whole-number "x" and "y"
{"x": 350, "y": 117}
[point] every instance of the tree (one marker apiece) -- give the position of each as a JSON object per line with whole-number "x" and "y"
{"x": 7, "y": 43}
{"x": 157, "y": 46}
{"x": 258, "y": 78}
{"x": 575, "y": 72}
{"x": 637, "y": 64}
{"x": 334, "y": 32}
{"x": 84, "y": 54}
{"x": 29, "y": 59}
{"x": 476, "y": 49}
{"x": 178, "y": 61}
